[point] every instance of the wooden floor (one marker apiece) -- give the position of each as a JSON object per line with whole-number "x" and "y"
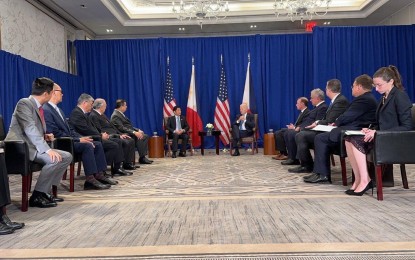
{"x": 216, "y": 207}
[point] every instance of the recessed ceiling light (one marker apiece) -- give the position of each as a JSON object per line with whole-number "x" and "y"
{"x": 182, "y": 29}
{"x": 109, "y": 30}
{"x": 326, "y": 23}
{"x": 253, "y": 26}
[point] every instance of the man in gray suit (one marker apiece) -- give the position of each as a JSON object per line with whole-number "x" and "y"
{"x": 28, "y": 124}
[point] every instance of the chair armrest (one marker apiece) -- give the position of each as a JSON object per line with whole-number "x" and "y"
{"x": 17, "y": 157}
{"x": 64, "y": 144}
{"x": 342, "y": 146}
{"x": 394, "y": 147}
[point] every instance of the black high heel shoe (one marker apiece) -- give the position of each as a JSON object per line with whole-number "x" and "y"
{"x": 368, "y": 186}
{"x": 349, "y": 191}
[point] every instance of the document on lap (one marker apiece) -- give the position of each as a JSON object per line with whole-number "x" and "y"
{"x": 354, "y": 132}
{"x": 323, "y": 128}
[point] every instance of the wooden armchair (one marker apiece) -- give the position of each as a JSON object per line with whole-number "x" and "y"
{"x": 252, "y": 140}
{"x": 169, "y": 141}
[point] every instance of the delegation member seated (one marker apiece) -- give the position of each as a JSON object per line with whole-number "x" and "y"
{"x": 92, "y": 152}
{"x": 178, "y": 128}
{"x": 28, "y": 124}
{"x": 242, "y": 127}
{"x": 301, "y": 105}
{"x": 103, "y": 124}
{"x": 6, "y": 225}
{"x": 125, "y": 126}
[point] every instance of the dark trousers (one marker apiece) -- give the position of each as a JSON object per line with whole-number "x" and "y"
{"x": 323, "y": 147}
{"x": 238, "y": 134}
{"x": 175, "y": 138}
{"x": 4, "y": 183}
{"x": 113, "y": 152}
{"x": 141, "y": 145}
{"x": 289, "y": 138}
{"x": 93, "y": 158}
{"x": 305, "y": 141}
{"x": 279, "y": 140}
{"x": 128, "y": 146}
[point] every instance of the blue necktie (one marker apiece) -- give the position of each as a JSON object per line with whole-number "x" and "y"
{"x": 241, "y": 124}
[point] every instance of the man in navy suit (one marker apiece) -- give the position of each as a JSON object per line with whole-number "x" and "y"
{"x": 178, "y": 128}
{"x": 92, "y": 152}
{"x": 318, "y": 113}
{"x": 360, "y": 113}
{"x": 242, "y": 126}
{"x": 305, "y": 139}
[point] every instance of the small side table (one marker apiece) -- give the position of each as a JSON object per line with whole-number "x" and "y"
{"x": 202, "y": 134}
{"x": 156, "y": 147}
{"x": 269, "y": 144}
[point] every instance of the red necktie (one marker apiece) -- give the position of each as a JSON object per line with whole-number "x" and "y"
{"x": 42, "y": 115}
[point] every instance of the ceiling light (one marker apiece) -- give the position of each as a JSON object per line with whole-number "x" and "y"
{"x": 182, "y": 29}
{"x": 253, "y": 26}
{"x": 326, "y": 23}
{"x": 201, "y": 9}
{"x": 109, "y": 30}
{"x": 300, "y": 9}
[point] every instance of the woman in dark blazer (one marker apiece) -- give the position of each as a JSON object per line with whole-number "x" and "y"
{"x": 393, "y": 114}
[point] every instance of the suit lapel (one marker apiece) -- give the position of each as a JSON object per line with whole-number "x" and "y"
{"x": 33, "y": 102}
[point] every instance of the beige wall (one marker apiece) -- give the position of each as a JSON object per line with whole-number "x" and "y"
{"x": 29, "y": 32}
{"x": 405, "y": 16}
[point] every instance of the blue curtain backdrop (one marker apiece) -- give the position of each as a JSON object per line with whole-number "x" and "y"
{"x": 17, "y": 75}
{"x": 283, "y": 68}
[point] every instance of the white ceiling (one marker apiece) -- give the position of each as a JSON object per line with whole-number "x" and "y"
{"x": 153, "y": 18}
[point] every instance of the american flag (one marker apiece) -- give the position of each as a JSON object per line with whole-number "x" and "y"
{"x": 169, "y": 101}
{"x": 222, "y": 120}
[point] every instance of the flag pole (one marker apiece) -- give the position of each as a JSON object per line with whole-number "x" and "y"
{"x": 224, "y": 145}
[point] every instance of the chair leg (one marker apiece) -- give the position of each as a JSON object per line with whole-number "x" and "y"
{"x": 191, "y": 149}
{"x": 344, "y": 173}
{"x": 64, "y": 175}
{"x": 230, "y": 148}
{"x": 379, "y": 186}
{"x": 332, "y": 160}
{"x": 404, "y": 179}
{"x": 72, "y": 176}
{"x": 25, "y": 193}
{"x": 252, "y": 148}
{"x": 79, "y": 168}
{"x": 55, "y": 190}
{"x": 29, "y": 184}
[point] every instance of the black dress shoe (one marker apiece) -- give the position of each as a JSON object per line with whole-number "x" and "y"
{"x": 181, "y": 154}
{"x": 41, "y": 202}
{"x": 106, "y": 180}
{"x": 5, "y": 230}
{"x": 300, "y": 169}
{"x": 311, "y": 176}
{"x": 122, "y": 172}
{"x": 290, "y": 162}
{"x": 319, "y": 179}
{"x": 7, "y": 222}
{"x": 173, "y": 155}
{"x": 95, "y": 185}
{"x": 144, "y": 160}
{"x": 51, "y": 198}
{"x": 130, "y": 166}
{"x": 236, "y": 153}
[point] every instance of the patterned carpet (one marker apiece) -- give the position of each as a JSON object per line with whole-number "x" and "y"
{"x": 216, "y": 207}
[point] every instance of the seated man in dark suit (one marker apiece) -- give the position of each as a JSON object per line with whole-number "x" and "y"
{"x": 92, "y": 152}
{"x": 305, "y": 139}
{"x": 125, "y": 126}
{"x": 28, "y": 124}
{"x": 103, "y": 124}
{"x": 6, "y": 225}
{"x": 81, "y": 122}
{"x": 301, "y": 105}
{"x": 178, "y": 128}
{"x": 242, "y": 126}
{"x": 360, "y": 113}
{"x": 318, "y": 113}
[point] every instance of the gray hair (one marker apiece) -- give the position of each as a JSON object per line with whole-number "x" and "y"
{"x": 84, "y": 97}
{"x": 319, "y": 93}
{"x": 98, "y": 103}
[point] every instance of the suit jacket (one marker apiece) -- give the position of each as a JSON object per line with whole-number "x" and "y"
{"x": 337, "y": 108}
{"x": 395, "y": 114}
{"x": 27, "y": 125}
{"x": 56, "y": 125}
{"x": 250, "y": 121}
{"x": 103, "y": 123}
{"x": 317, "y": 113}
{"x": 171, "y": 124}
{"x": 122, "y": 123}
{"x": 82, "y": 124}
{"x": 301, "y": 117}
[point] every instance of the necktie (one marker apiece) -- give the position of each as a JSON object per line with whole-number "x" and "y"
{"x": 241, "y": 124}
{"x": 59, "y": 112}
{"x": 178, "y": 124}
{"x": 42, "y": 115}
